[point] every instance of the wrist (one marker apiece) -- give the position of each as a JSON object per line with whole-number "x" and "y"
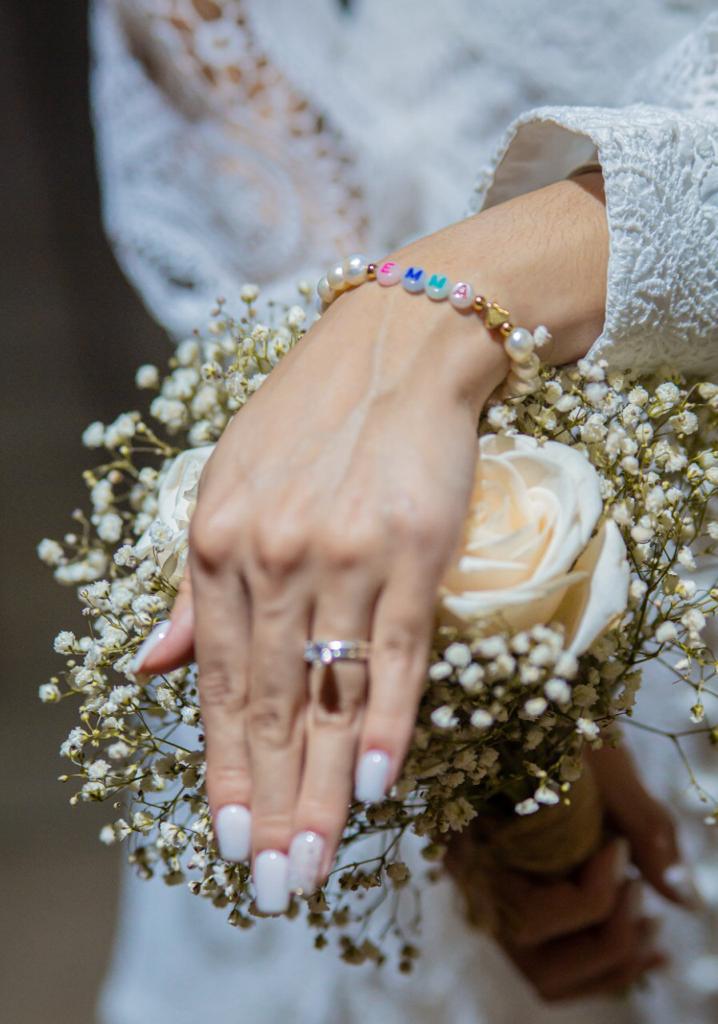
{"x": 543, "y": 255}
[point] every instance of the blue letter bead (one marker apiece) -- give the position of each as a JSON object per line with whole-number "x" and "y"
{"x": 438, "y": 287}
{"x": 413, "y": 279}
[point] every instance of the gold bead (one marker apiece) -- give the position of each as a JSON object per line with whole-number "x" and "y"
{"x": 506, "y": 328}
{"x": 479, "y": 303}
{"x": 371, "y": 271}
{"x": 495, "y": 316}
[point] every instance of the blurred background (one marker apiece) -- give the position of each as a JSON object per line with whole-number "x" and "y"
{"x": 72, "y": 335}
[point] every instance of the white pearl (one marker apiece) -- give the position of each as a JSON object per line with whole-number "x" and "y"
{"x": 414, "y": 279}
{"x": 336, "y": 278}
{"x": 529, "y": 369}
{"x": 520, "y": 344}
{"x": 355, "y": 269}
{"x": 438, "y": 287}
{"x": 461, "y": 295}
{"x": 325, "y": 290}
{"x": 388, "y": 273}
{"x": 517, "y": 386}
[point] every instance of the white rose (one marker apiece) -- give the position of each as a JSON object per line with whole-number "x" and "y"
{"x": 176, "y": 499}
{"x": 527, "y": 555}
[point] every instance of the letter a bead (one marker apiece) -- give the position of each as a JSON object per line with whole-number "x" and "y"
{"x": 461, "y": 295}
{"x": 437, "y": 287}
{"x": 388, "y": 273}
{"x": 414, "y": 279}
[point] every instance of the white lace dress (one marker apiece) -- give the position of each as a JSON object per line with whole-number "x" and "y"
{"x": 260, "y": 140}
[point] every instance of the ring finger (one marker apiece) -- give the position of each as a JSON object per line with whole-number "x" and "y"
{"x": 334, "y": 716}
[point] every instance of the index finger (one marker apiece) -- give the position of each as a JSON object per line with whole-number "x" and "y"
{"x": 540, "y": 911}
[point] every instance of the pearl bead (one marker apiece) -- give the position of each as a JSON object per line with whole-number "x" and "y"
{"x": 517, "y": 386}
{"x": 413, "y": 279}
{"x": 388, "y": 273}
{"x": 355, "y": 268}
{"x": 325, "y": 290}
{"x": 529, "y": 369}
{"x": 336, "y": 278}
{"x": 519, "y": 345}
{"x": 461, "y": 295}
{"x": 438, "y": 287}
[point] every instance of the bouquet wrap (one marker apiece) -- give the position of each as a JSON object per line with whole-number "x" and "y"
{"x": 549, "y": 845}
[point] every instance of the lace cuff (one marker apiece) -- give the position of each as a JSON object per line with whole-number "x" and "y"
{"x": 660, "y": 169}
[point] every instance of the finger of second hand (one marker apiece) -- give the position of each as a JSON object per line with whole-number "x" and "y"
{"x": 570, "y": 963}
{"x": 276, "y": 711}
{"x": 337, "y": 697}
{"x": 221, "y": 641}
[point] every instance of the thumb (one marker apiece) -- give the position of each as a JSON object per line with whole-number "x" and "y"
{"x": 171, "y": 643}
{"x": 646, "y": 824}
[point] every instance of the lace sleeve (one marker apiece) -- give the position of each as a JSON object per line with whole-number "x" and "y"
{"x": 213, "y": 170}
{"x": 659, "y": 157}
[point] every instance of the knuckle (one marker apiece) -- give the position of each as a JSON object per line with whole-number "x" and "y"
{"x": 226, "y": 776}
{"x": 412, "y": 524}
{"x": 349, "y": 548}
{"x": 399, "y": 641}
{"x": 278, "y": 547}
{"x": 211, "y": 539}
{"x": 214, "y": 688}
{"x": 269, "y": 722}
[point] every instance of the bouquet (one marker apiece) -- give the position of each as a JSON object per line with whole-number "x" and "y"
{"x": 594, "y": 498}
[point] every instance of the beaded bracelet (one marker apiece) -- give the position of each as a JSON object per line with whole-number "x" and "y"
{"x": 519, "y": 343}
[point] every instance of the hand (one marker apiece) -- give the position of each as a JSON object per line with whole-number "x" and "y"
{"x": 588, "y": 934}
{"x": 330, "y": 509}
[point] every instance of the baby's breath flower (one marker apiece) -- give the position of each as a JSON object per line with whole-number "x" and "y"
{"x": 50, "y": 552}
{"x": 147, "y": 376}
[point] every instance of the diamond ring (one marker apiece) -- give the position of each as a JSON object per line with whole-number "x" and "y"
{"x": 327, "y": 651}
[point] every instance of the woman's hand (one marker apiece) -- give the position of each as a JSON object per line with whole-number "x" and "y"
{"x": 330, "y": 509}
{"x": 589, "y": 934}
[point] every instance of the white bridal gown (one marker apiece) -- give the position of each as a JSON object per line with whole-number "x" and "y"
{"x": 260, "y": 140}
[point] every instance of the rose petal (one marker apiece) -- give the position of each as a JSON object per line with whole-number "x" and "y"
{"x": 593, "y": 604}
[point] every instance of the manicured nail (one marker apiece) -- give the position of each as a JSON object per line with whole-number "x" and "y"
{"x": 371, "y": 777}
{"x": 155, "y": 637}
{"x": 233, "y": 826}
{"x": 271, "y": 882}
{"x": 622, "y": 859}
{"x": 305, "y": 858}
{"x": 680, "y": 879}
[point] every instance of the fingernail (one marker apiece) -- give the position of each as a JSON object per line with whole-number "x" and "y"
{"x": 371, "y": 777}
{"x": 271, "y": 882}
{"x": 680, "y": 879}
{"x": 305, "y": 858}
{"x": 233, "y": 826}
{"x": 622, "y": 859}
{"x": 155, "y": 637}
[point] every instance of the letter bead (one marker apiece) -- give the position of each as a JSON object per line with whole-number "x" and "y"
{"x": 461, "y": 295}
{"x": 413, "y": 279}
{"x": 438, "y": 287}
{"x": 388, "y": 273}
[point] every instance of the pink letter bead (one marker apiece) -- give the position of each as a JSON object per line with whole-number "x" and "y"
{"x": 438, "y": 286}
{"x": 388, "y": 273}
{"x": 414, "y": 279}
{"x": 462, "y": 295}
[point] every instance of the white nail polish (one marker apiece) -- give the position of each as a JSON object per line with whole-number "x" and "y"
{"x": 271, "y": 882}
{"x": 681, "y": 880}
{"x": 305, "y": 859}
{"x": 371, "y": 777}
{"x": 156, "y": 635}
{"x": 233, "y": 827}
